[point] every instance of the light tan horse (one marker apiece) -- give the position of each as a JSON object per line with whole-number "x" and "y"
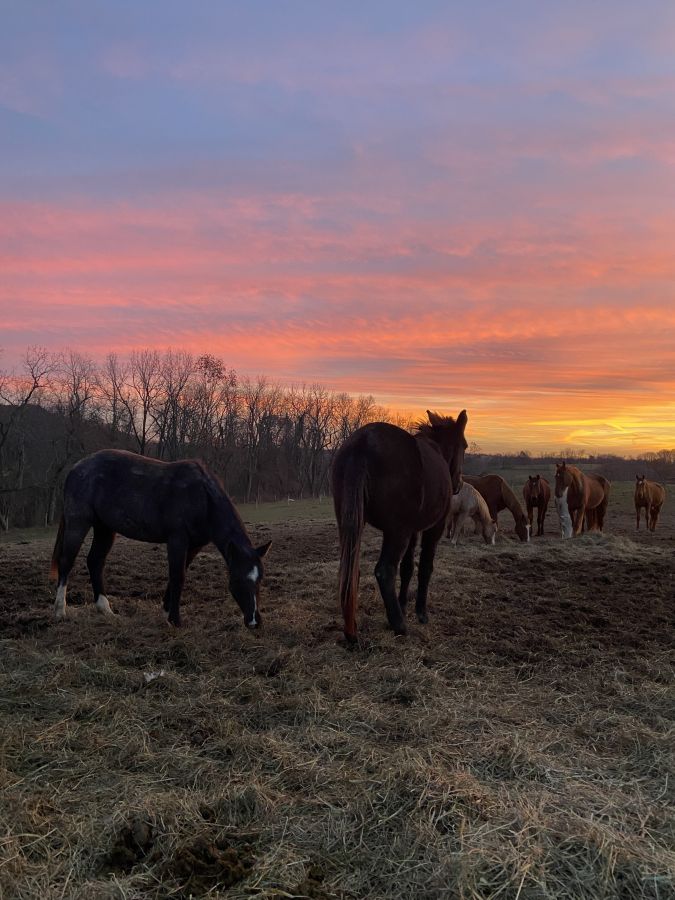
{"x": 648, "y": 496}
{"x": 580, "y": 500}
{"x": 468, "y": 504}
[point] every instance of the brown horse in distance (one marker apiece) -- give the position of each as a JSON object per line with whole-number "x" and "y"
{"x": 498, "y": 496}
{"x": 401, "y": 484}
{"x": 649, "y": 496}
{"x": 580, "y": 499}
{"x": 537, "y": 492}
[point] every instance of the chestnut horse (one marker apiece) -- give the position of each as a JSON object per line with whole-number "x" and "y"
{"x": 469, "y": 504}
{"x": 537, "y": 492}
{"x": 650, "y": 496}
{"x": 498, "y": 496}
{"x": 401, "y": 484}
{"x": 580, "y": 500}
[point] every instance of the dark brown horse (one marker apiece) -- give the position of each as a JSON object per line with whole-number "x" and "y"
{"x": 400, "y": 484}
{"x": 498, "y": 496}
{"x": 537, "y": 492}
{"x": 581, "y": 500}
{"x": 179, "y": 504}
{"x": 649, "y": 496}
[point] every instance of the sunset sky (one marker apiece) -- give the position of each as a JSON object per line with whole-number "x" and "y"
{"x": 446, "y": 205}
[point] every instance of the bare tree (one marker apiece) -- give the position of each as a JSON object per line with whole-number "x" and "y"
{"x": 19, "y": 391}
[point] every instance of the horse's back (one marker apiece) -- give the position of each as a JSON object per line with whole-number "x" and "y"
{"x": 141, "y": 498}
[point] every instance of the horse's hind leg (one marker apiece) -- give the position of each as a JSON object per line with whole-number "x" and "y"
{"x": 393, "y": 548}
{"x": 406, "y": 571}
{"x": 430, "y": 539}
{"x": 74, "y": 532}
{"x": 100, "y": 548}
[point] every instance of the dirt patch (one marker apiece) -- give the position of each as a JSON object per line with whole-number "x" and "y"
{"x": 204, "y": 866}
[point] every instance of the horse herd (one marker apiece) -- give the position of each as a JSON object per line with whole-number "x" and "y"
{"x": 407, "y": 485}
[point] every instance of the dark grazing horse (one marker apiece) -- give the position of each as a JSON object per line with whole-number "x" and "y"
{"x": 650, "y": 496}
{"x": 498, "y": 496}
{"x": 401, "y": 484}
{"x": 179, "y": 504}
{"x": 537, "y": 492}
{"x": 581, "y": 500}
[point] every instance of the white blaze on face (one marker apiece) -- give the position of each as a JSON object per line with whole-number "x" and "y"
{"x": 253, "y": 576}
{"x": 60, "y": 605}
{"x": 564, "y": 515}
{"x": 103, "y": 606}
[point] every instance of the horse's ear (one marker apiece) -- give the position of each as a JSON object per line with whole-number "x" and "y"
{"x": 263, "y": 548}
{"x": 462, "y": 419}
{"x": 433, "y": 418}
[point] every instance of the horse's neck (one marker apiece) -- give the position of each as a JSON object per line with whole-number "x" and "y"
{"x": 511, "y": 501}
{"x": 227, "y": 525}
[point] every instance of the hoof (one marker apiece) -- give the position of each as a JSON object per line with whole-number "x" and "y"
{"x": 422, "y": 618}
{"x": 59, "y": 613}
{"x": 103, "y": 606}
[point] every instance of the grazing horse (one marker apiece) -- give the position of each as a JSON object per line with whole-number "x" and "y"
{"x": 537, "y": 492}
{"x": 650, "y": 496}
{"x": 401, "y": 484}
{"x": 179, "y": 504}
{"x": 580, "y": 500}
{"x": 469, "y": 504}
{"x": 498, "y": 496}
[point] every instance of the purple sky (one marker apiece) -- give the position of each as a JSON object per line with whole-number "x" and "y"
{"x": 441, "y": 204}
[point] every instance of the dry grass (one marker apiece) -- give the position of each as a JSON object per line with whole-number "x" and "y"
{"x": 519, "y": 746}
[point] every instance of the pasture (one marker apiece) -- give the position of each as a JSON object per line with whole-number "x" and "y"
{"x": 518, "y": 746}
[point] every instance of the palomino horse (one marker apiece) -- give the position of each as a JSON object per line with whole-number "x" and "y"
{"x": 580, "y": 500}
{"x": 537, "y": 492}
{"x": 179, "y": 504}
{"x": 400, "y": 484}
{"x": 650, "y": 496}
{"x": 469, "y": 504}
{"x": 498, "y": 496}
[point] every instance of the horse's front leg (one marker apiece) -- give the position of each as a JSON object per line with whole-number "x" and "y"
{"x": 406, "y": 572}
{"x": 393, "y": 548}
{"x": 430, "y": 539}
{"x": 192, "y": 552}
{"x": 177, "y": 552}
{"x": 637, "y": 518}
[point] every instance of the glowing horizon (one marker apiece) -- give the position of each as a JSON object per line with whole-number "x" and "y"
{"x": 442, "y": 210}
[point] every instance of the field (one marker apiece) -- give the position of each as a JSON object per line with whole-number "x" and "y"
{"x": 518, "y": 746}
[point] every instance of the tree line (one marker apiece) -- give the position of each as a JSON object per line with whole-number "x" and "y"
{"x": 264, "y": 441}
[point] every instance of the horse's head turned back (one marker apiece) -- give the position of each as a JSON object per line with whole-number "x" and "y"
{"x": 448, "y": 433}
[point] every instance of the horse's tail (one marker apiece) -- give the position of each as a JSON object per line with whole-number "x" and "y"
{"x": 58, "y": 546}
{"x": 350, "y": 496}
